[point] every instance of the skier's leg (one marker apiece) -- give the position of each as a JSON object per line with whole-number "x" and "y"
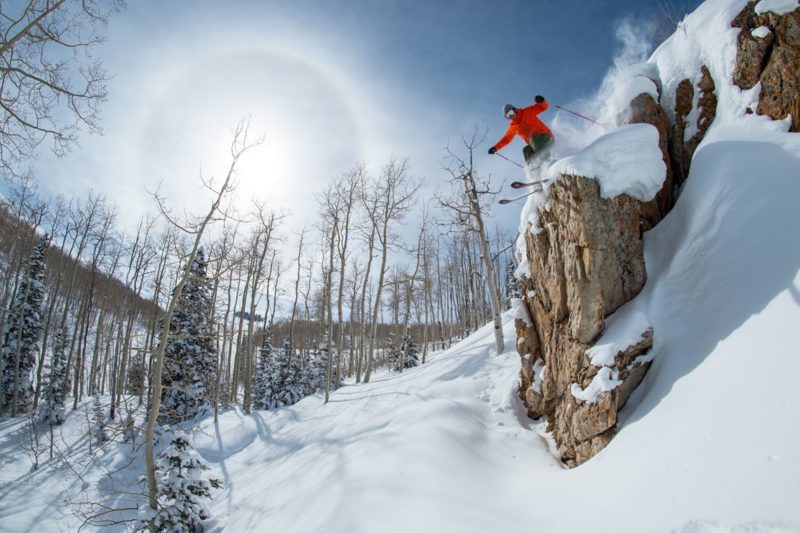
{"x": 528, "y": 153}
{"x": 536, "y": 146}
{"x": 540, "y": 142}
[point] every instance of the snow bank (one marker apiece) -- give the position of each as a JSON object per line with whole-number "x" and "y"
{"x": 779, "y": 7}
{"x": 623, "y": 329}
{"x": 631, "y": 82}
{"x": 625, "y": 161}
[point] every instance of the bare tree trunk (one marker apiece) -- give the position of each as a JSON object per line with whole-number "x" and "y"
{"x": 237, "y": 365}
{"x": 296, "y": 294}
{"x": 362, "y": 305}
{"x": 329, "y": 310}
{"x": 230, "y": 373}
{"x": 347, "y": 191}
{"x": 354, "y": 317}
{"x": 487, "y": 263}
{"x": 410, "y": 287}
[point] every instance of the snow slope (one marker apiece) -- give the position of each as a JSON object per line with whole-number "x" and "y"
{"x": 447, "y": 447}
{"x": 709, "y": 443}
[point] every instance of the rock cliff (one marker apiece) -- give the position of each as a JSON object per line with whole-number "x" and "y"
{"x": 585, "y": 256}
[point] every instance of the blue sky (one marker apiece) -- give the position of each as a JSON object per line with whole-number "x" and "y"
{"x": 328, "y": 84}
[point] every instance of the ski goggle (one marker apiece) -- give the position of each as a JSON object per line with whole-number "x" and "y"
{"x": 511, "y": 113}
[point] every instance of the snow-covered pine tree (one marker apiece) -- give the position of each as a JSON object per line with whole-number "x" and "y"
{"x": 21, "y": 336}
{"x": 190, "y": 358}
{"x": 408, "y": 353}
{"x": 51, "y": 410}
{"x": 289, "y": 390}
{"x": 393, "y": 351}
{"x": 129, "y": 429}
{"x": 513, "y": 286}
{"x": 136, "y": 374}
{"x": 183, "y": 484}
{"x": 314, "y": 378}
{"x": 263, "y": 385}
{"x": 99, "y": 420}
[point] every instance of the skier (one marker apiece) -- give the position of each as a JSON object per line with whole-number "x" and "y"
{"x": 526, "y": 124}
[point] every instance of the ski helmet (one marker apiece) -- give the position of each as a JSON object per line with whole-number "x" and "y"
{"x": 509, "y": 111}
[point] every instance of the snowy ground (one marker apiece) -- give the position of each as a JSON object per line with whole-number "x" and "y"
{"x": 709, "y": 444}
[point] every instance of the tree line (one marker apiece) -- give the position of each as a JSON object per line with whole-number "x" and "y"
{"x": 351, "y": 287}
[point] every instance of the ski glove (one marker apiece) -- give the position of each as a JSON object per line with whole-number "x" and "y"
{"x": 539, "y": 98}
{"x": 492, "y": 150}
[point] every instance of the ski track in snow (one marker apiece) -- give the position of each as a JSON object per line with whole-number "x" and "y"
{"x": 372, "y": 439}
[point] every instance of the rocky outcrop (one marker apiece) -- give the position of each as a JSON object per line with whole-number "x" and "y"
{"x": 769, "y": 52}
{"x": 586, "y": 263}
{"x": 687, "y": 133}
{"x": 645, "y": 110}
{"x": 586, "y": 255}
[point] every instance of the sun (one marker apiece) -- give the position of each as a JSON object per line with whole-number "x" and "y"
{"x": 310, "y": 129}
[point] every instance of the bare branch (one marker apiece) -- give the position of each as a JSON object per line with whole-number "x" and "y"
{"x": 51, "y": 84}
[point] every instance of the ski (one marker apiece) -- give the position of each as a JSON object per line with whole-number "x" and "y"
{"x": 505, "y": 201}
{"x": 521, "y": 184}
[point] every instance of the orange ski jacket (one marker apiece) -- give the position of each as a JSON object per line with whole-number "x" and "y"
{"x": 526, "y": 124}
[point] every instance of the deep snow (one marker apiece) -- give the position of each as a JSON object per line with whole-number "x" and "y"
{"x": 709, "y": 441}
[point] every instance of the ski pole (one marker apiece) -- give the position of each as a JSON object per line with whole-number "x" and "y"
{"x": 578, "y": 115}
{"x": 509, "y": 160}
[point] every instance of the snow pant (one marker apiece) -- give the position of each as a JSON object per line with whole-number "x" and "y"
{"x": 536, "y": 145}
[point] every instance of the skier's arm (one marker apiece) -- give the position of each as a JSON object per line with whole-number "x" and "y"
{"x": 539, "y": 107}
{"x": 507, "y": 138}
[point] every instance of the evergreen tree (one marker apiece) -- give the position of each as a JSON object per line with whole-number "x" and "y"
{"x": 99, "y": 420}
{"x": 513, "y": 286}
{"x": 314, "y": 378}
{"x": 408, "y": 354}
{"x": 190, "y": 358}
{"x": 263, "y": 384}
{"x": 289, "y": 388}
{"x": 136, "y": 374}
{"x": 21, "y": 336}
{"x": 129, "y": 431}
{"x": 392, "y": 351}
{"x": 411, "y": 351}
{"x": 51, "y": 409}
{"x": 183, "y": 484}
